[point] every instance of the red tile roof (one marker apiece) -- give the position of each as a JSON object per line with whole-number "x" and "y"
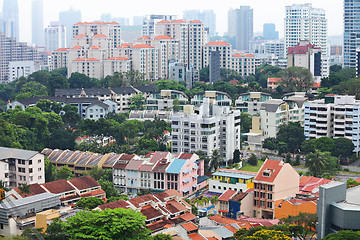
{"x": 301, "y": 49}
{"x": 231, "y": 228}
{"x": 159, "y": 225}
{"x": 178, "y": 21}
{"x": 195, "y": 21}
{"x": 150, "y": 213}
{"x": 142, "y": 46}
{"x": 70, "y": 197}
{"x": 222, "y": 220}
{"x": 274, "y": 80}
{"x": 164, "y": 21}
{"x": 174, "y": 206}
{"x": 80, "y": 36}
{"x": 160, "y": 167}
{"x": 84, "y": 182}
{"x": 61, "y": 50}
{"x": 316, "y": 85}
{"x": 118, "y": 58}
{"x": 310, "y": 185}
{"x": 239, "y": 196}
{"x": 142, "y": 199}
{"x": 161, "y": 196}
{"x": 86, "y": 60}
{"x": 144, "y": 38}
{"x": 185, "y": 156}
{"x": 93, "y": 193}
{"x": 113, "y": 205}
{"x": 358, "y": 180}
{"x": 249, "y": 55}
{"x": 100, "y": 36}
{"x": 273, "y": 166}
{"x": 226, "y": 196}
{"x": 125, "y": 45}
{"x": 127, "y": 156}
{"x": 188, "y": 216}
{"x": 189, "y": 227}
{"x": 158, "y": 156}
{"x": 196, "y": 236}
{"x": 35, "y": 189}
{"x": 60, "y": 186}
{"x": 93, "y": 23}
{"x": 217, "y": 43}
{"x": 163, "y": 37}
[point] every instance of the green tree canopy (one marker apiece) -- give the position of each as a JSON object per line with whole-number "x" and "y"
{"x": 296, "y": 79}
{"x": 89, "y": 203}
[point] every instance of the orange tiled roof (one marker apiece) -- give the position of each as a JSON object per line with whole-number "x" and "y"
{"x": 226, "y": 196}
{"x": 164, "y": 21}
{"x": 125, "y": 45}
{"x": 35, "y": 189}
{"x": 86, "y": 60}
{"x": 142, "y": 46}
{"x": 92, "y": 23}
{"x": 358, "y": 180}
{"x": 95, "y": 47}
{"x": 178, "y": 21}
{"x": 274, "y": 166}
{"x": 93, "y": 193}
{"x": 117, "y": 204}
{"x": 76, "y": 47}
{"x": 117, "y": 58}
{"x": 61, "y": 50}
{"x": 195, "y": 236}
{"x": 144, "y": 37}
{"x": 99, "y": 36}
{"x": 163, "y": 37}
{"x": 231, "y": 228}
{"x": 174, "y": 206}
{"x": 189, "y": 226}
{"x": 85, "y": 182}
{"x": 196, "y": 21}
{"x": 249, "y": 55}
{"x": 217, "y": 43}
{"x": 223, "y": 220}
{"x": 274, "y": 80}
{"x": 80, "y": 36}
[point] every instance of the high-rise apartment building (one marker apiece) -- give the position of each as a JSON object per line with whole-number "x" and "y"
{"x": 335, "y": 116}
{"x": 208, "y": 17}
{"x": 213, "y": 127}
{"x": 37, "y": 22}
{"x": 9, "y": 24}
{"x": 269, "y": 31}
{"x": 13, "y": 51}
{"x": 68, "y": 19}
{"x": 244, "y": 27}
{"x": 150, "y": 21}
{"x": 55, "y": 37}
{"x": 351, "y": 31}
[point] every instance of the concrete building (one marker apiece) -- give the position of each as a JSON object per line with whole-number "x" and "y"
{"x": 303, "y": 22}
{"x": 335, "y": 116}
{"x": 208, "y": 17}
{"x": 214, "y": 66}
{"x": 9, "y": 23}
{"x": 269, "y": 31}
{"x": 37, "y": 23}
{"x": 221, "y": 98}
{"x": 230, "y": 179}
{"x": 68, "y": 19}
{"x": 275, "y": 180}
{"x": 244, "y": 27}
{"x": 338, "y": 209}
{"x": 180, "y": 72}
{"x": 22, "y": 69}
{"x": 306, "y": 55}
{"x": 351, "y": 32}
{"x": 164, "y": 100}
{"x": 244, "y": 64}
{"x": 251, "y": 102}
{"x": 149, "y": 23}
{"x": 21, "y": 167}
{"x": 213, "y": 127}
{"x": 223, "y": 49}
{"x": 55, "y": 37}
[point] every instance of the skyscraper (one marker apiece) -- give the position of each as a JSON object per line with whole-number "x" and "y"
{"x": 244, "y": 27}
{"x": 55, "y": 37}
{"x": 351, "y": 31}
{"x": 37, "y": 22}
{"x": 208, "y": 17}
{"x": 10, "y": 19}
{"x": 269, "y": 31}
{"x": 68, "y": 19}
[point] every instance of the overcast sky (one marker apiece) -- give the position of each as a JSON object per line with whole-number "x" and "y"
{"x": 265, "y": 11}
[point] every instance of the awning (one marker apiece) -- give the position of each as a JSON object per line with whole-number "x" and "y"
{"x": 195, "y": 176}
{"x": 186, "y": 190}
{"x": 196, "y": 167}
{"x": 195, "y": 186}
{"x": 186, "y": 180}
{"x": 187, "y": 171}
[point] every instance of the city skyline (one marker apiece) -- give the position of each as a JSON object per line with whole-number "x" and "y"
{"x": 261, "y": 12}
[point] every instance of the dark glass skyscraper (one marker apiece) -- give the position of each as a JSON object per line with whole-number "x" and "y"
{"x": 9, "y": 24}
{"x": 351, "y": 31}
{"x": 244, "y": 27}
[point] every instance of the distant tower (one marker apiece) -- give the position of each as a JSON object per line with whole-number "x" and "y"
{"x": 68, "y": 19}
{"x": 55, "y": 37}
{"x": 214, "y": 66}
{"x": 269, "y": 31}
{"x": 244, "y": 27}
{"x": 10, "y": 19}
{"x": 37, "y": 23}
{"x": 352, "y": 32}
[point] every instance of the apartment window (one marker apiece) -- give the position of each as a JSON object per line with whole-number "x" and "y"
{"x": 31, "y": 178}
{"x": 30, "y": 170}
{"x": 262, "y": 186}
{"x": 262, "y": 203}
{"x": 256, "y": 202}
{"x": 262, "y": 195}
{"x": 30, "y": 162}
{"x": 269, "y": 196}
{"x": 269, "y": 204}
{"x": 270, "y": 188}
{"x": 256, "y": 193}
{"x": 39, "y": 169}
{"x": 256, "y": 186}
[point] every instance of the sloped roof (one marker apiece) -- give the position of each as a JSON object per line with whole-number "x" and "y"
{"x": 189, "y": 227}
{"x": 164, "y": 21}
{"x": 100, "y": 36}
{"x": 59, "y": 186}
{"x": 162, "y": 195}
{"x": 150, "y": 212}
{"x": 134, "y": 164}
{"x": 217, "y": 43}
{"x": 95, "y": 47}
{"x": 76, "y": 47}
{"x": 86, "y": 60}
{"x": 176, "y": 165}
{"x": 141, "y": 199}
{"x": 142, "y": 46}
{"x": 112, "y": 205}
{"x": 158, "y": 156}
{"x": 61, "y": 50}
{"x": 174, "y": 206}
{"x": 123, "y": 90}
{"x": 118, "y": 58}
{"x": 80, "y": 36}
{"x": 196, "y": 21}
{"x": 274, "y": 166}
{"x": 239, "y": 196}
{"x": 185, "y": 155}
{"x": 35, "y": 189}
{"x": 271, "y": 105}
{"x": 274, "y": 80}
{"x": 226, "y": 196}
{"x": 84, "y": 182}
{"x": 164, "y": 37}
{"x": 222, "y": 220}
{"x": 6, "y": 153}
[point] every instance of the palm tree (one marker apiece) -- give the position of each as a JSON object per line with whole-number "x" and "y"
{"x": 206, "y": 200}
{"x": 316, "y": 162}
{"x": 214, "y": 200}
{"x": 215, "y": 160}
{"x": 25, "y": 188}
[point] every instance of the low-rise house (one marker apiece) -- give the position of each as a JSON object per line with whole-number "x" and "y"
{"x": 164, "y": 100}
{"x": 274, "y": 181}
{"x": 232, "y": 204}
{"x": 251, "y": 102}
{"x": 21, "y": 167}
{"x": 295, "y": 206}
{"x": 273, "y": 83}
{"x": 143, "y": 115}
{"x": 221, "y": 98}
{"x": 230, "y": 179}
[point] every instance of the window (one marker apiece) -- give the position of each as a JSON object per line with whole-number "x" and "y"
{"x": 262, "y": 195}
{"x": 39, "y": 169}
{"x": 270, "y": 188}
{"x": 269, "y": 204}
{"x": 30, "y": 162}
{"x": 262, "y": 186}
{"x": 30, "y": 170}
{"x": 269, "y": 196}
{"x": 256, "y": 186}
{"x": 256, "y": 193}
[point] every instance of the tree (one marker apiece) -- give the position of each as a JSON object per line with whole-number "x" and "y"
{"x": 352, "y": 183}
{"x": 253, "y": 160}
{"x": 137, "y": 102}
{"x": 56, "y": 81}
{"x": 316, "y": 162}
{"x": 96, "y": 173}
{"x": 324, "y": 144}
{"x": 245, "y": 122}
{"x": 162, "y": 236}
{"x": 62, "y": 139}
{"x": 118, "y": 198}
{"x": 296, "y": 79}
{"x": 64, "y": 173}
{"x": 89, "y": 203}
{"x": 343, "y": 235}
{"x": 292, "y": 135}
{"x": 176, "y": 105}
{"x": 270, "y": 143}
{"x": 288, "y": 157}
{"x": 297, "y": 160}
{"x": 344, "y": 147}
{"x": 55, "y": 231}
{"x": 25, "y": 189}
{"x": 79, "y": 80}
{"x": 215, "y": 160}
{"x": 32, "y": 89}
{"x": 50, "y": 171}
{"x": 109, "y": 224}
{"x": 108, "y": 187}
{"x": 236, "y": 156}
{"x": 71, "y": 118}
{"x": 307, "y": 221}
{"x": 214, "y": 200}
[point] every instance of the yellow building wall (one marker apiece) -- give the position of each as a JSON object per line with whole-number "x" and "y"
{"x": 42, "y": 218}
{"x": 288, "y": 209}
{"x": 255, "y": 125}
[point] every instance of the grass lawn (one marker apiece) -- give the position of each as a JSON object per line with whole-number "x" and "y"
{"x": 251, "y": 168}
